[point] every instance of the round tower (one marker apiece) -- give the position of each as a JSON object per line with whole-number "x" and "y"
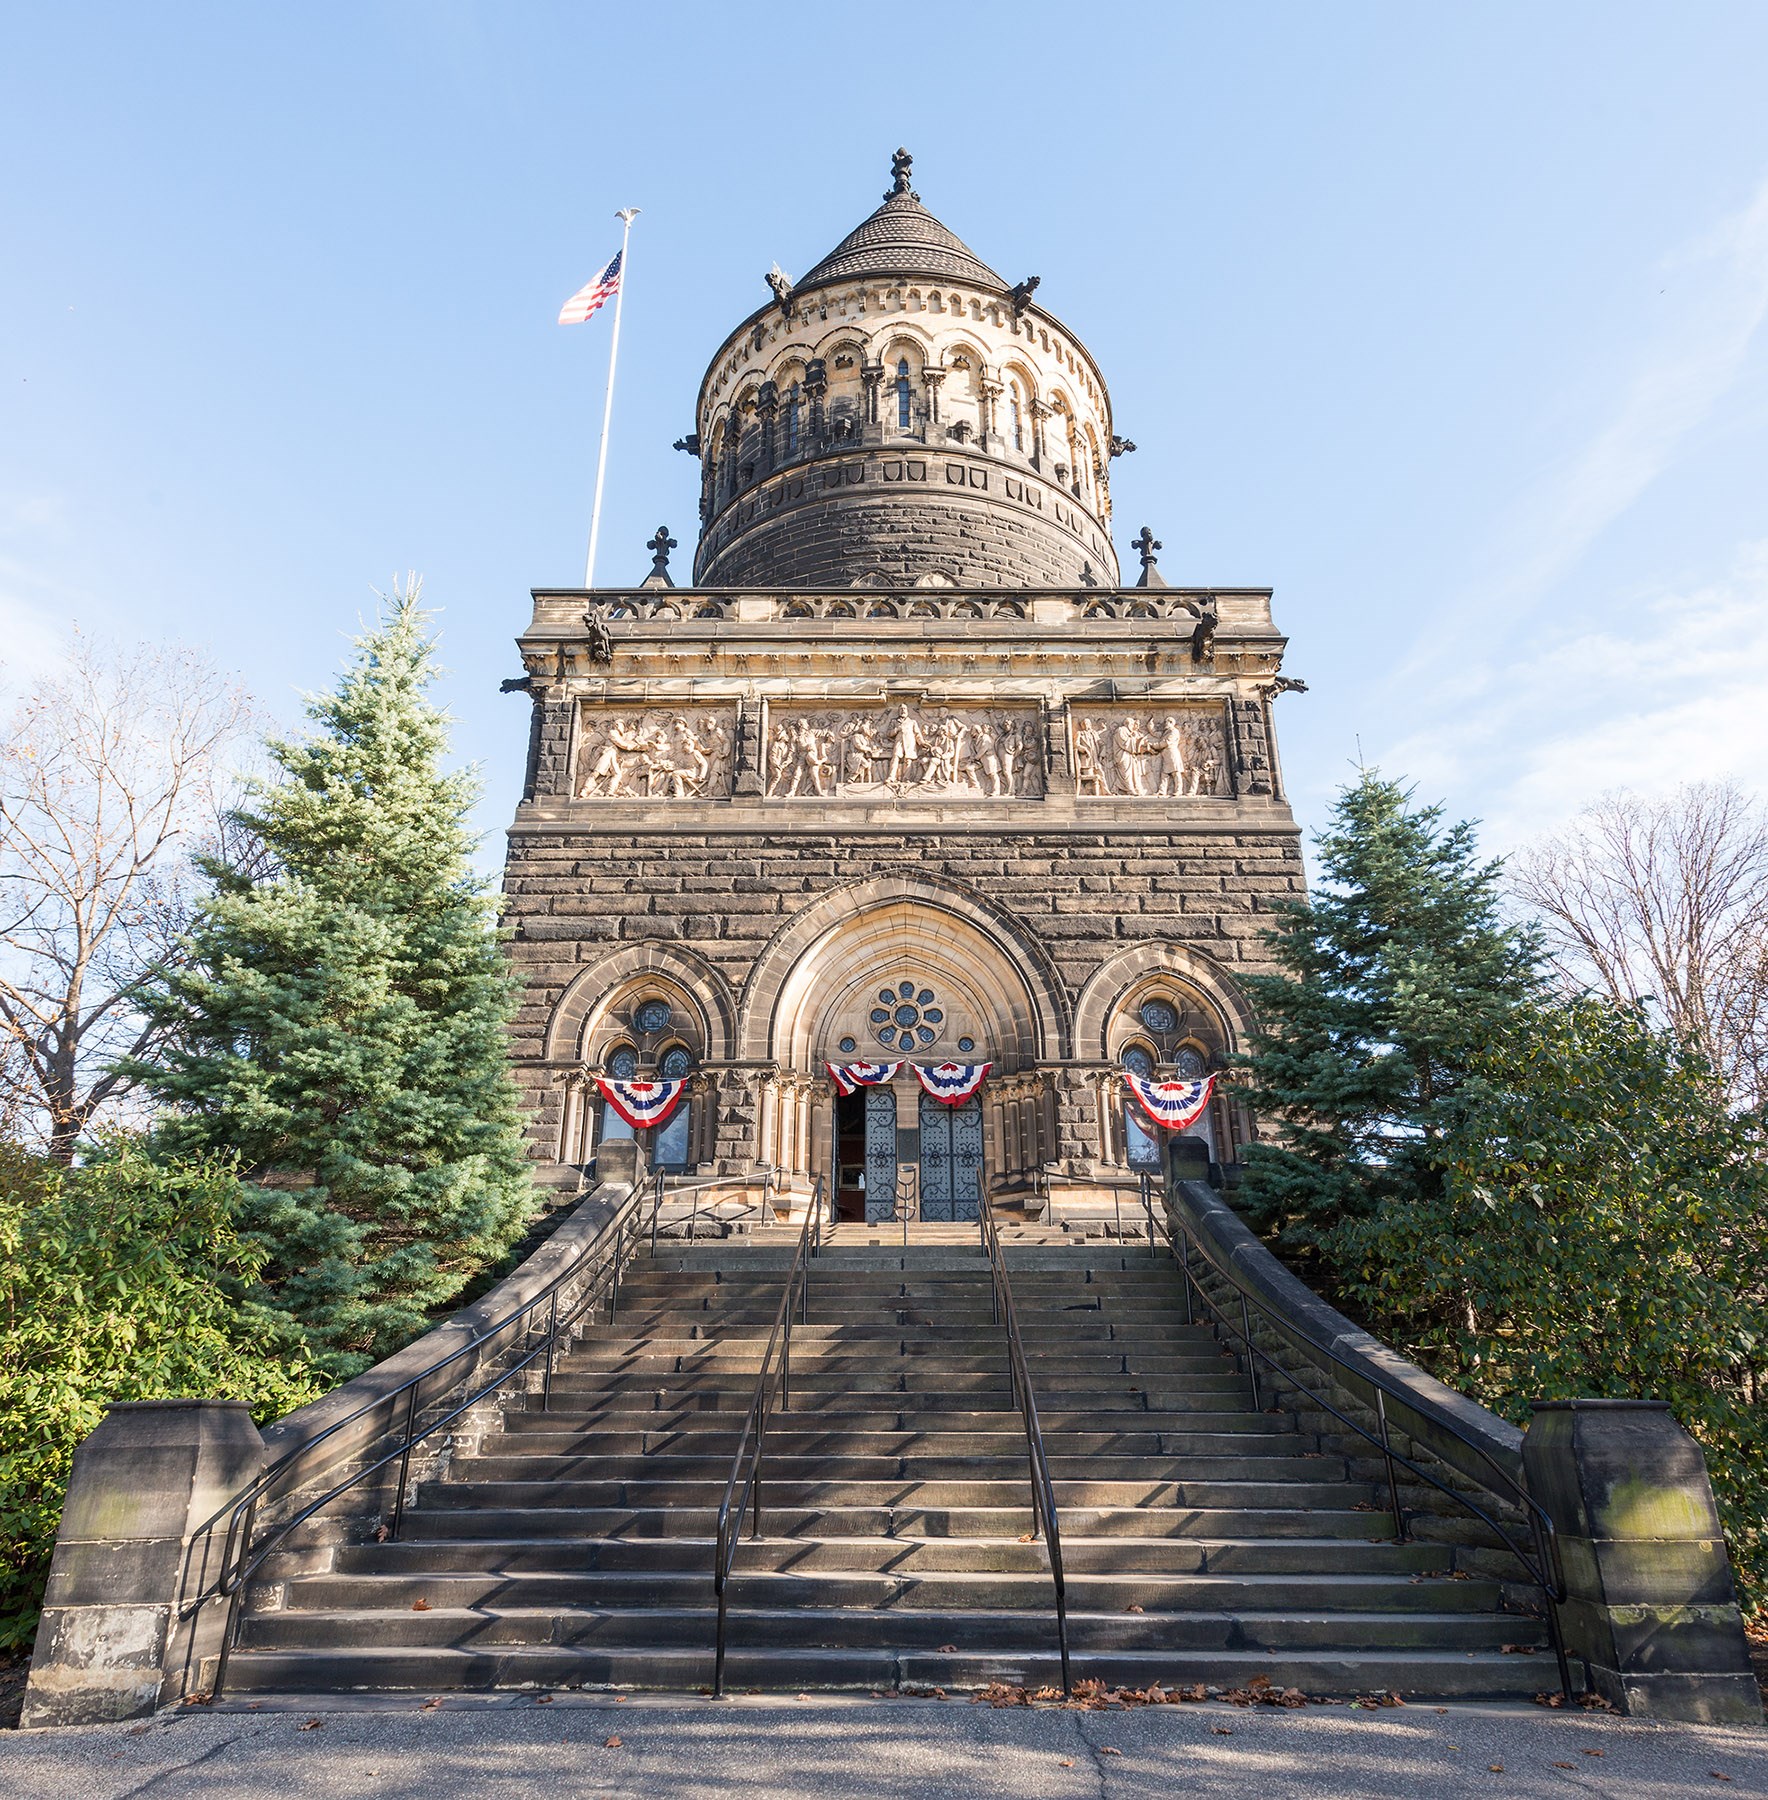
{"x": 901, "y": 416}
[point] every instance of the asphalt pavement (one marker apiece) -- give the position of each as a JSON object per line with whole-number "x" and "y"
{"x": 583, "y": 1747}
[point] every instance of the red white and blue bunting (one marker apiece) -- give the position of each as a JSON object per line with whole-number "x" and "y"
{"x": 848, "y": 1076}
{"x": 952, "y": 1083}
{"x": 642, "y": 1103}
{"x": 1172, "y": 1105}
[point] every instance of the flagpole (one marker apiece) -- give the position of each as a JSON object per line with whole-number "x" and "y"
{"x": 625, "y": 215}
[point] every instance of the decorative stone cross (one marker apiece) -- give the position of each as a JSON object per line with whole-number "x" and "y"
{"x": 659, "y": 547}
{"x": 899, "y": 176}
{"x": 1145, "y": 546}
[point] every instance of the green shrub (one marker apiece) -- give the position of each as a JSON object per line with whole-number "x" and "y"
{"x": 1601, "y": 1230}
{"x": 119, "y": 1280}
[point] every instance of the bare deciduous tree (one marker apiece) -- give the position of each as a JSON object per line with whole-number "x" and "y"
{"x": 110, "y": 773}
{"x": 1665, "y": 902}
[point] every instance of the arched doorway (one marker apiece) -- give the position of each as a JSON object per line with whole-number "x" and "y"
{"x": 904, "y": 973}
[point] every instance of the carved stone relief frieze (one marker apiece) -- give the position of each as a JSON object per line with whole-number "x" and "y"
{"x": 1169, "y": 753}
{"x": 654, "y": 753}
{"x": 905, "y": 750}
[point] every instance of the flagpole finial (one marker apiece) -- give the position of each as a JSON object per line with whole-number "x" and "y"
{"x": 626, "y": 214}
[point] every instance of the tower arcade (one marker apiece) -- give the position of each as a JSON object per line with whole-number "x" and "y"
{"x": 907, "y": 775}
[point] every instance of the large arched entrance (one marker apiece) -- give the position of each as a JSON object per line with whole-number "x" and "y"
{"x": 908, "y": 973}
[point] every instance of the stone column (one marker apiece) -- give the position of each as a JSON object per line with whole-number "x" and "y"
{"x": 131, "y": 1553}
{"x": 1650, "y": 1610}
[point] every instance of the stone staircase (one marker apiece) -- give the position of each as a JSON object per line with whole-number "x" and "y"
{"x": 1203, "y": 1542}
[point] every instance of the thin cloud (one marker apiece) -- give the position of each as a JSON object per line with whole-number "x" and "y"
{"x": 1691, "y": 365}
{"x": 1679, "y": 693}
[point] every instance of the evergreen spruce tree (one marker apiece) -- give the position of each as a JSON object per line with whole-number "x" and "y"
{"x": 1394, "y": 974}
{"x": 341, "y": 1023}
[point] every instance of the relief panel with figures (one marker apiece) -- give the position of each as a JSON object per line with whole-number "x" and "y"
{"x": 653, "y": 753}
{"x": 893, "y": 752}
{"x": 1169, "y": 754}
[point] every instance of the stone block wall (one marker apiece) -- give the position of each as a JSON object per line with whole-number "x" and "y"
{"x": 1083, "y": 896}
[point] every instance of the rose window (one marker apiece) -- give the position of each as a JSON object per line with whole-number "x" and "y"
{"x": 907, "y": 1017}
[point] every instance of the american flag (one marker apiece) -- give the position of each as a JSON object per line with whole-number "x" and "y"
{"x": 587, "y": 300}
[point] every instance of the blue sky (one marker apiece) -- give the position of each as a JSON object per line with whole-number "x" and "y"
{"x": 1446, "y": 321}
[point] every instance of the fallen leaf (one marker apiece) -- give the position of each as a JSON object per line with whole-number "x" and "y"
{"x": 1027, "y": 1537}
{"x": 1496, "y": 1768}
{"x": 1717, "y": 1776}
{"x": 612, "y": 1743}
{"x": 543, "y": 1699}
{"x": 420, "y": 1606}
{"x": 431, "y": 1704}
{"x": 1108, "y": 1750}
{"x": 1595, "y": 1753}
{"x": 1223, "y": 1730}
{"x": 1558, "y": 1765}
{"x": 1065, "y": 1762}
{"x": 948, "y": 1649}
{"x": 1135, "y": 1609}
{"x": 312, "y": 1725}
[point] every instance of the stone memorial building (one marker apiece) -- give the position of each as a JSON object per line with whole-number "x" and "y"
{"x": 908, "y": 774}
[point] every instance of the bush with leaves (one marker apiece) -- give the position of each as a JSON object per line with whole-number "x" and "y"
{"x": 119, "y": 1280}
{"x": 1601, "y": 1230}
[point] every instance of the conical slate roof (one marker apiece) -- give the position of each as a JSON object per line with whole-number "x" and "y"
{"x": 902, "y": 238}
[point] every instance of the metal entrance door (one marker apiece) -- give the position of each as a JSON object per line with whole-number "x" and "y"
{"x": 951, "y": 1158}
{"x": 880, "y": 1153}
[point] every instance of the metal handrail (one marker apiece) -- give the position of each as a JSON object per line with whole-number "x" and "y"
{"x": 1043, "y": 1489}
{"x": 1543, "y": 1569}
{"x": 241, "y": 1558}
{"x": 751, "y": 1442}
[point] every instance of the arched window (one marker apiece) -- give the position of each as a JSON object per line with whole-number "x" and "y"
{"x": 622, "y": 1064}
{"x": 792, "y": 424}
{"x": 904, "y": 399}
{"x": 674, "y": 1146}
{"x": 1141, "y": 1143}
{"x": 1016, "y": 416}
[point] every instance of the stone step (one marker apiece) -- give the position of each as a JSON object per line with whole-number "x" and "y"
{"x": 1005, "y": 1513}
{"x": 480, "y": 1476}
{"x": 789, "y": 1489}
{"x": 785, "y": 1462}
{"x": 881, "y": 1538}
{"x": 955, "y": 1590}
{"x": 537, "y": 1450}
{"x": 1098, "y": 1328}
{"x": 623, "y": 1451}
{"x": 754, "y": 1663}
{"x": 1089, "y": 1633}
{"x": 940, "y": 1387}
{"x": 902, "y": 1412}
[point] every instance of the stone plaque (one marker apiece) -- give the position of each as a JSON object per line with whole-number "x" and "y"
{"x": 1168, "y": 753}
{"x": 904, "y": 751}
{"x": 654, "y": 753}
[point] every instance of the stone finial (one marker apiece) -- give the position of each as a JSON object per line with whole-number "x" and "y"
{"x": 1144, "y": 545}
{"x": 659, "y": 547}
{"x": 1022, "y": 293}
{"x": 900, "y": 164}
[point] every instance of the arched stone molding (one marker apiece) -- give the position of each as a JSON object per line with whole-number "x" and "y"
{"x": 842, "y": 942}
{"x": 1115, "y": 979}
{"x": 688, "y": 977}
